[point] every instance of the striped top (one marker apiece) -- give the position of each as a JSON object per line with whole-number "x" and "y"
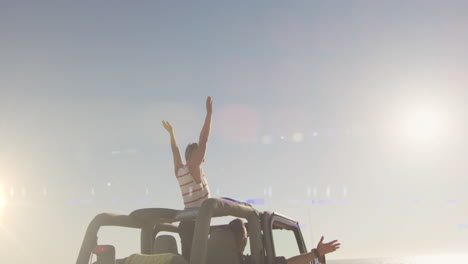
{"x": 193, "y": 194}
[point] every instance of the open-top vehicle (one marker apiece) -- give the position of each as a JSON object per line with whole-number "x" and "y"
{"x": 271, "y": 235}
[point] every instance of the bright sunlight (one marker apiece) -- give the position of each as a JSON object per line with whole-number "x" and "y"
{"x": 423, "y": 124}
{"x": 3, "y": 201}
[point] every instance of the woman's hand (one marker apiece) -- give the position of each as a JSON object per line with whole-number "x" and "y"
{"x": 167, "y": 126}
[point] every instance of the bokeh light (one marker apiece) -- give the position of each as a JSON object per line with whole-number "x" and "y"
{"x": 298, "y": 137}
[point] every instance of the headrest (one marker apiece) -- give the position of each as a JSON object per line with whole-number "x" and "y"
{"x": 165, "y": 244}
{"x": 222, "y": 248}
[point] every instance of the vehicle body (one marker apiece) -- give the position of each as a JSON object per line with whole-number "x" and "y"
{"x": 151, "y": 221}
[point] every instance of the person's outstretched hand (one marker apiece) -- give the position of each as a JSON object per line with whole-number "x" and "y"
{"x": 209, "y": 105}
{"x": 167, "y": 126}
{"x": 325, "y": 248}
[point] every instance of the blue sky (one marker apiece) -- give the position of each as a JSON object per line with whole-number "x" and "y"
{"x": 361, "y": 101}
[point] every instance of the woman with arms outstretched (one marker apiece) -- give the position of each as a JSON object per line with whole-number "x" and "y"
{"x": 190, "y": 176}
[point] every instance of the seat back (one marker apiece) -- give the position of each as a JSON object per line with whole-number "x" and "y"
{"x": 222, "y": 248}
{"x": 165, "y": 244}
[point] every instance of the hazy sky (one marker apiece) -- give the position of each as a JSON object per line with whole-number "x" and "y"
{"x": 361, "y": 104}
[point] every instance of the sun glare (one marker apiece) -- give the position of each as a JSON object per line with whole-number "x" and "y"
{"x": 3, "y": 201}
{"x": 423, "y": 125}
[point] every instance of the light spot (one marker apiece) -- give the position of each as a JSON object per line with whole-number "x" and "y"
{"x": 288, "y": 120}
{"x": 298, "y": 137}
{"x": 109, "y": 184}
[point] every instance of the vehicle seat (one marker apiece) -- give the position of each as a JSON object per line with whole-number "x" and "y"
{"x": 222, "y": 248}
{"x": 167, "y": 258}
{"x": 165, "y": 244}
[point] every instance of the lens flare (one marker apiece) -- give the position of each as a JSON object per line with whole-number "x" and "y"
{"x": 423, "y": 124}
{"x": 298, "y": 137}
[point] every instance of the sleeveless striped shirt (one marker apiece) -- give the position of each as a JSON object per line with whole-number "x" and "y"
{"x": 193, "y": 194}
